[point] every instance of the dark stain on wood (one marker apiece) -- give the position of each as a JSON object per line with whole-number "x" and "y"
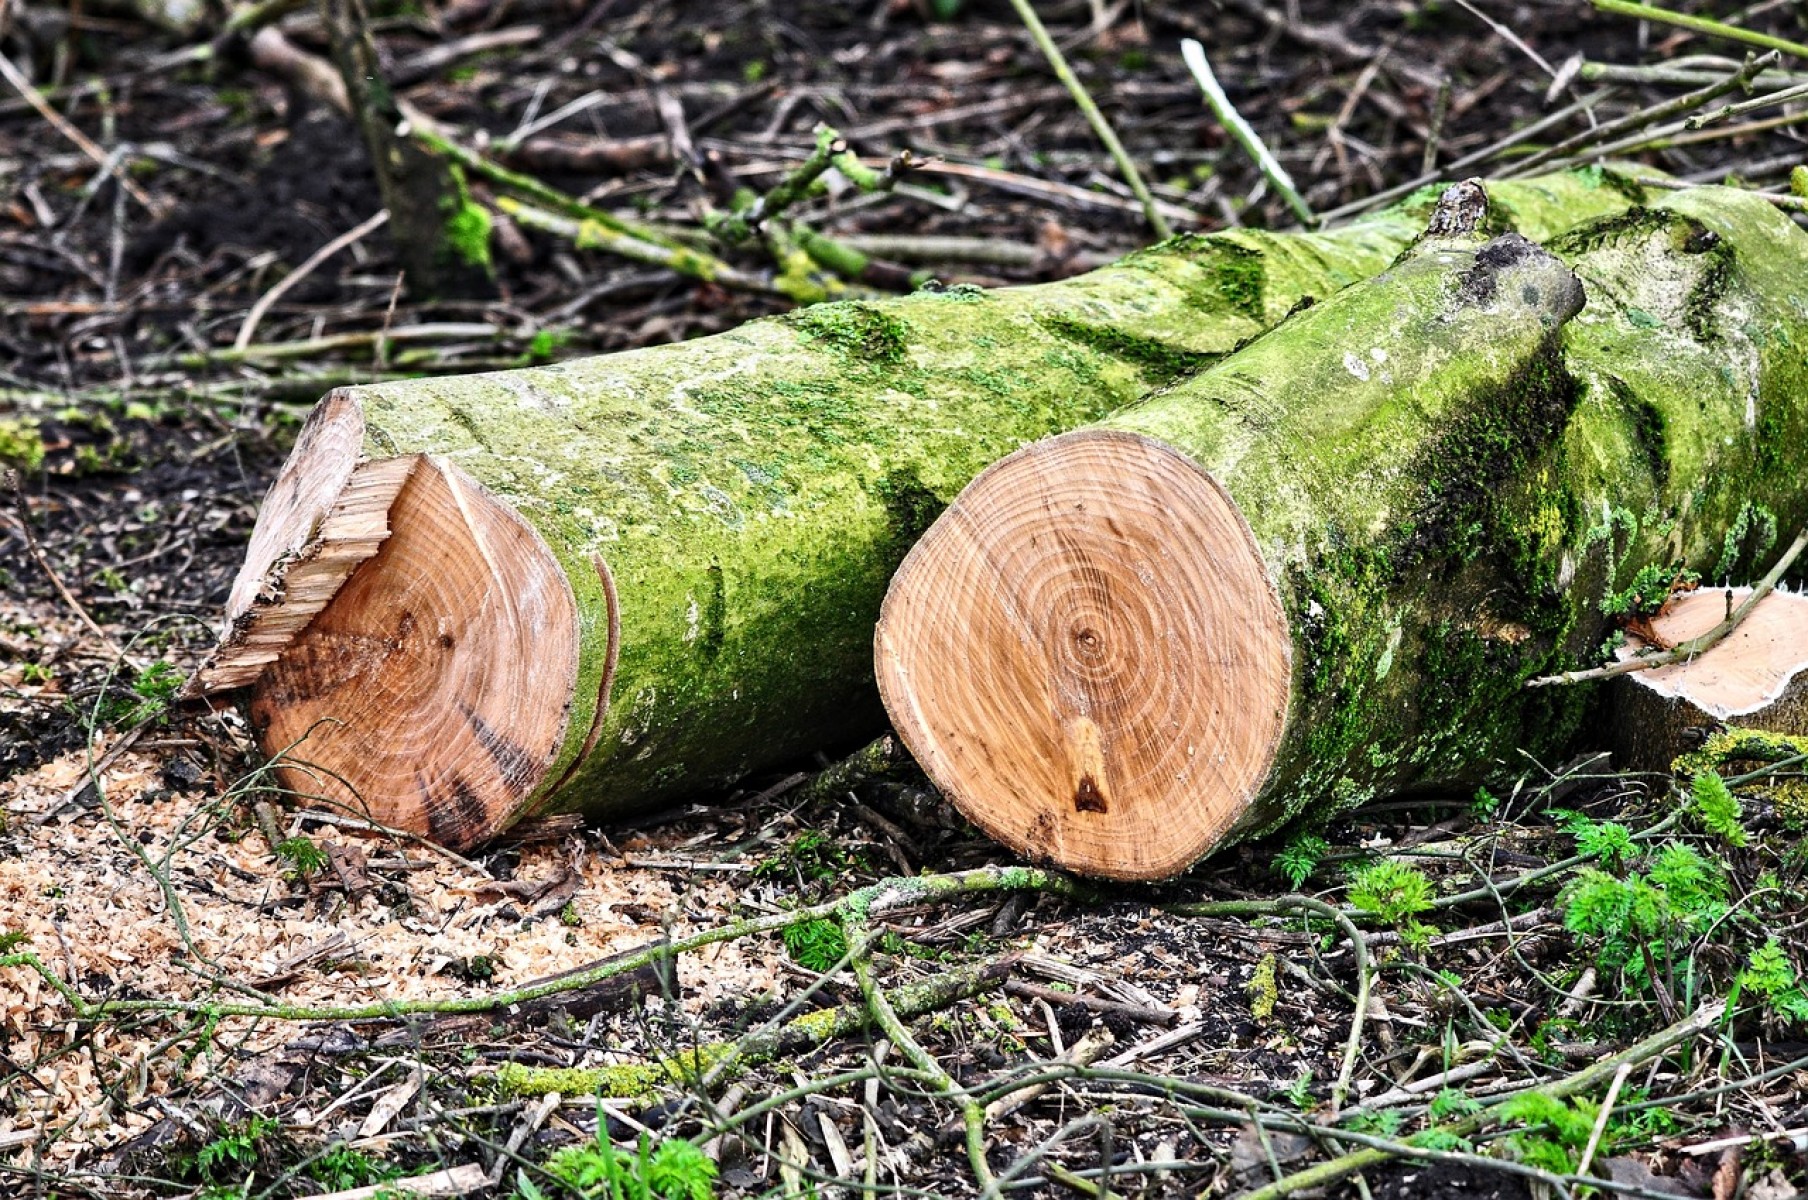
{"x": 512, "y": 762}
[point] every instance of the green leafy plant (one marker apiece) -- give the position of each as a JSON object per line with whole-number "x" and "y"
{"x": 815, "y": 945}
{"x": 1715, "y": 808}
{"x": 342, "y": 1168}
{"x": 1442, "y": 1139}
{"x": 1300, "y": 857}
{"x": 1608, "y": 842}
{"x": 1649, "y": 591}
{"x": 1553, "y": 1132}
{"x": 1390, "y": 891}
{"x": 1451, "y": 1103}
{"x": 233, "y": 1151}
{"x": 1680, "y": 893}
{"x": 302, "y": 855}
{"x": 1386, "y": 1122}
{"x": 673, "y": 1169}
{"x": 146, "y": 699}
{"x": 1770, "y": 976}
{"x": 1299, "y": 1092}
{"x": 812, "y": 857}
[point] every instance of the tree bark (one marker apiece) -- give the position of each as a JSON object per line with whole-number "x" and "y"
{"x": 609, "y": 583}
{"x": 1756, "y": 679}
{"x": 442, "y": 235}
{"x": 1324, "y": 568}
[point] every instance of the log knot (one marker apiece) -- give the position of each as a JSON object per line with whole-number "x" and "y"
{"x": 1460, "y": 210}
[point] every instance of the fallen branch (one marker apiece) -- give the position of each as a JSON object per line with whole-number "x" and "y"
{"x": 718, "y": 1061}
{"x": 1344, "y": 1166}
{"x": 1719, "y": 29}
{"x": 1100, "y": 126}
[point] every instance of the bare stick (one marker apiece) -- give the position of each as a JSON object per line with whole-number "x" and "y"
{"x": 1508, "y": 36}
{"x": 1663, "y": 16}
{"x": 1770, "y": 100}
{"x": 1645, "y": 117}
{"x": 86, "y": 144}
{"x": 302, "y": 272}
{"x": 1094, "y": 117}
{"x": 589, "y": 234}
{"x": 1594, "y": 1137}
{"x": 831, "y": 150}
{"x": 1693, "y": 646}
{"x": 1232, "y": 120}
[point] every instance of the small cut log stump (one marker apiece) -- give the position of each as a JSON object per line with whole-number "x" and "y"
{"x": 1756, "y": 678}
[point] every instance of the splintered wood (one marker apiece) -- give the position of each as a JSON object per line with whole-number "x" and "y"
{"x": 399, "y": 585}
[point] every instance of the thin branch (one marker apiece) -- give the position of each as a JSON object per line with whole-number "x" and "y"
{"x": 1126, "y": 167}
{"x": 1645, "y": 117}
{"x": 300, "y": 273}
{"x": 859, "y": 942}
{"x": 831, "y": 150}
{"x": 587, "y": 233}
{"x": 1232, "y": 120}
{"x": 1663, "y": 16}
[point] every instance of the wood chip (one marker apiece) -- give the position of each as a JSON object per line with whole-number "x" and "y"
{"x": 453, "y": 1181}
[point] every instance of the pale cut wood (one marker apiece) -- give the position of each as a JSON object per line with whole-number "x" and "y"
{"x": 325, "y": 514}
{"x": 463, "y": 619}
{"x": 1134, "y": 657}
{"x": 1757, "y": 678}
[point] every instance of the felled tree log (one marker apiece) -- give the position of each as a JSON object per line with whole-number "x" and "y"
{"x": 1757, "y": 678}
{"x": 1324, "y": 568}
{"x": 604, "y": 584}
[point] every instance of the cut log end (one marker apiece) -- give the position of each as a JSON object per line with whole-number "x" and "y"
{"x": 1756, "y": 678}
{"x": 1088, "y": 656}
{"x": 412, "y": 643}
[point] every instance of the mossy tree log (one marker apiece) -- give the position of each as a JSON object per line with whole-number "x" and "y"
{"x": 1325, "y": 567}
{"x": 608, "y": 583}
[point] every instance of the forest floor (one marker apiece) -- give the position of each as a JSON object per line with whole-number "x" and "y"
{"x": 1514, "y": 939}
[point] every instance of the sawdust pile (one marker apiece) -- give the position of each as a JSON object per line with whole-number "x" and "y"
{"x": 383, "y": 921}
